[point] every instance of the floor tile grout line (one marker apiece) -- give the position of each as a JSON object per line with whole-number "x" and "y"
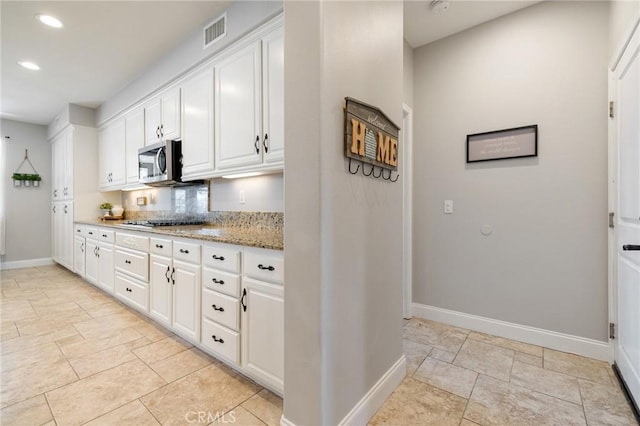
{"x": 149, "y": 410}
{"x": 469, "y": 399}
{"x": 584, "y": 409}
{"x": 53, "y": 417}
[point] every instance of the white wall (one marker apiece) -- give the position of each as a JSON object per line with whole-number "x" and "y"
{"x": 261, "y": 194}
{"x": 545, "y": 264}
{"x": 242, "y": 17}
{"x": 28, "y": 210}
{"x": 622, "y": 15}
{"x": 407, "y": 72}
{"x": 343, "y": 233}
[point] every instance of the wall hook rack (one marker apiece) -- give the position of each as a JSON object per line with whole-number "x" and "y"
{"x": 381, "y": 174}
{"x": 28, "y": 180}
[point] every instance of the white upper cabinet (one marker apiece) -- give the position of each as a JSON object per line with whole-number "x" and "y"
{"x": 62, "y": 165}
{"x": 162, "y": 117}
{"x": 197, "y": 126}
{"x": 134, "y": 140}
{"x": 111, "y": 155}
{"x": 249, "y": 113}
{"x": 273, "y": 96}
{"x": 238, "y": 110}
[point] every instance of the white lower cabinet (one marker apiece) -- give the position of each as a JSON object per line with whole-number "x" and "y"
{"x": 79, "y": 247}
{"x": 263, "y": 332}
{"x": 132, "y": 291}
{"x": 99, "y": 258}
{"x": 186, "y": 299}
{"x": 161, "y": 289}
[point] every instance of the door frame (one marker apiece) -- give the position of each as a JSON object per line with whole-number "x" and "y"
{"x": 613, "y": 198}
{"x": 407, "y": 210}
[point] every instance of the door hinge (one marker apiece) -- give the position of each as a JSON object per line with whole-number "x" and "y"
{"x": 611, "y": 224}
{"x": 612, "y": 330}
{"x": 610, "y": 109}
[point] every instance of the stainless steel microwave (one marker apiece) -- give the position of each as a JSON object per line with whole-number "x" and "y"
{"x": 160, "y": 164}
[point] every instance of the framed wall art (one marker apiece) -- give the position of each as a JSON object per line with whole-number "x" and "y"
{"x": 503, "y": 144}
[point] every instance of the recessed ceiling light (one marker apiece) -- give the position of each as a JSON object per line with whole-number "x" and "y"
{"x": 29, "y": 65}
{"x": 49, "y": 20}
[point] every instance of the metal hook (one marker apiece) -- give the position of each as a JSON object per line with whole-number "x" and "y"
{"x": 394, "y": 180}
{"x": 386, "y": 178}
{"x": 357, "y": 168}
{"x": 379, "y": 174}
{"x": 367, "y": 174}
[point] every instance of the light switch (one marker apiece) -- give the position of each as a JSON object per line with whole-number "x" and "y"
{"x": 242, "y": 196}
{"x": 448, "y": 206}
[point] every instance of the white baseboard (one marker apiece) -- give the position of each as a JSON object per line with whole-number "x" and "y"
{"x": 535, "y": 336}
{"x": 26, "y": 263}
{"x": 377, "y": 395}
{"x": 362, "y": 412}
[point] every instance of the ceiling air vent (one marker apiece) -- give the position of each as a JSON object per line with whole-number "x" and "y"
{"x": 215, "y": 31}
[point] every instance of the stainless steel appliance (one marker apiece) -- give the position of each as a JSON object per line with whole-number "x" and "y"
{"x": 160, "y": 163}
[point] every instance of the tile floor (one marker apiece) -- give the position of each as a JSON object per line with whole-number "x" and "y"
{"x": 460, "y": 377}
{"x": 70, "y": 355}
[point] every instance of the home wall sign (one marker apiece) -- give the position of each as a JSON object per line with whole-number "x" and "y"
{"x": 502, "y": 144}
{"x": 370, "y": 138}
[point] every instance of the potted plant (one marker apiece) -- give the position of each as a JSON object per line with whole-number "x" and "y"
{"x": 106, "y": 208}
{"x": 32, "y": 179}
{"x": 17, "y": 179}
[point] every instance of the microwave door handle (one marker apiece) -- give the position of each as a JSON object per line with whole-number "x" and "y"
{"x": 157, "y": 162}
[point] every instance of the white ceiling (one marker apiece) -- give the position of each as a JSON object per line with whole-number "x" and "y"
{"x": 422, "y": 25}
{"x": 105, "y": 45}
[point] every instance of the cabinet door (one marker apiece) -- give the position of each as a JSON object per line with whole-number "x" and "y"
{"x": 91, "y": 261}
{"x": 161, "y": 290}
{"x": 263, "y": 331}
{"x": 273, "y": 96}
{"x": 152, "y": 119}
{"x": 238, "y": 109}
{"x": 106, "y": 267}
{"x": 111, "y": 151}
{"x": 56, "y": 226}
{"x": 66, "y": 258}
{"x": 134, "y": 140}
{"x": 58, "y": 165}
{"x": 79, "y": 255}
{"x": 170, "y": 114}
{"x": 186, "y": 300}
{"x": 197, "y": 126}
{"x": 67, "y": 164}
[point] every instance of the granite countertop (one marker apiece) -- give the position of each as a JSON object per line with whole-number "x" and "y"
{"x": 242, "y": 236}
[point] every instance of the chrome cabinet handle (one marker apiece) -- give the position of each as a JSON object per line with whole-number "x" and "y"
{"x": 215, "y": 308}
{"x": 184, "y": 251}
{"x": 221, "y": 282}
{"x": 215, "y": 339}
{"x": 265, "y": 143}
{"x": 256, "y": 144}
{"x": 221, "y": 258}
{"x": 244, "y": 295}
{"x": 166, "y": 274}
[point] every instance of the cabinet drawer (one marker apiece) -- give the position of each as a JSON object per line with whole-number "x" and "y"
{"x": 221, "y": 309}
{"x": 79, "y": 230}
{"x": 135, "y": 242}
{"x": 221, "y": 281}
{"x": 91, "y": 232}
{"x": 186, "y": 252}
{"x": 222, "y": 258}
{"x": 221, "y": 340}
{"x": 266, "y": 265}
{"x": 133, "y": 263}
{"x": 105, "y": 235}
{"x": 132, "y": 293}
{"x": 161, "y": 246}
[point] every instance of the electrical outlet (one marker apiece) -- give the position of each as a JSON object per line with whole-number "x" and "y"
{"x": 448, "y": 206}
{"x": 242, "y": 196}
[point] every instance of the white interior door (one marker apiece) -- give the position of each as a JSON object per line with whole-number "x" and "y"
{"x": 626, "y": 92}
